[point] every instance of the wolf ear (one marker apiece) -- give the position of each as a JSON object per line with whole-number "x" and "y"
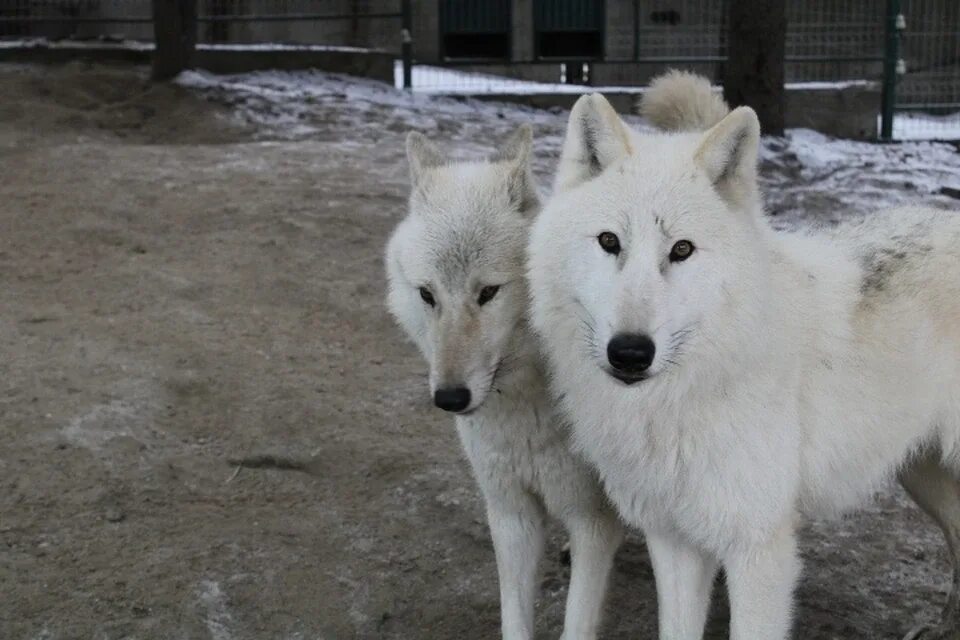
{"x": 422, "y": 154}
{"x": 517, "y": 146}
{"x": 596, "y": 138}
{"x": 520, "y": 182}
{"x": 728, "y": 155}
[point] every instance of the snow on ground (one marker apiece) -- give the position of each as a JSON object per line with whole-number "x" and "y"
{"x": 142, "y": 45}
{"x": 446, "y": 81}
{"x": 924, "y": 126}
{"x": 449, "y": 81}
{"x": 807, "y": 175}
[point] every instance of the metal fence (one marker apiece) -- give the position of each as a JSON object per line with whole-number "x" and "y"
{"x": 525, "y": 46}
{"x": 928, "y": 90}
{"x": 827, "y": 40}
{"x": 828, "y": 43}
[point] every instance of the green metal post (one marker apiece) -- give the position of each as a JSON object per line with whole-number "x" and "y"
{"x": 891, "y": 58}
{"x": 406, "y": 44}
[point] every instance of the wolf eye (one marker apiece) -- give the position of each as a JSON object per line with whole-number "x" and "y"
{"x": 609, "y": 242}
{"x": 682, "y": 250}
{"x": 487, "y": 293}
{"x": 427, "y": 296}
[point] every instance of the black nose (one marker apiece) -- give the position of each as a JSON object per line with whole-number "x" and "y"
{"x": 631, "y": 352}
{"x": 452, "y": 399}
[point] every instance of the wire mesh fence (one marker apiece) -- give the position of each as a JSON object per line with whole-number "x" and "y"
{"x": 834, "y": 40}
{"x": 928, "y": 92}
{"x": 559, "y": 46}
{"x": 827, "y": 40}
{"x": 369, "y": 24}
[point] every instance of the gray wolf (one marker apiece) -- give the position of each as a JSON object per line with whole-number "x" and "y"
{"x": 726, "y": 379}
{"x": 456, "y": 267}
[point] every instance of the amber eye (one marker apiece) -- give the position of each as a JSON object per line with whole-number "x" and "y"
{"x": 682, "y": 250}
{"x": 609, "y": 242}
{"x": 487, "y": 293}
{"x": 427, "y": 296}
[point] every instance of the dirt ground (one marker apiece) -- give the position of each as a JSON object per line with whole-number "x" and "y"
{"x": 180, "y": 287}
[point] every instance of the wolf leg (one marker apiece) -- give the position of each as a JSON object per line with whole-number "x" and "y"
{"x": 937, "y": 491}
{"x": 760, "y": 581}
{"x": 517, "y": 532}
{"x": 594, "y": 540}
{"x": 684, "y": 578}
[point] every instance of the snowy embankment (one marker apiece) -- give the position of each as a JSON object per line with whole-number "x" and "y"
{"x": 807, "y": 176}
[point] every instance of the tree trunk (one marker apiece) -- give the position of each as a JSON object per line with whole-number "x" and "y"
{"x": 175, "y": 34}
{"x": 753, "y": 74}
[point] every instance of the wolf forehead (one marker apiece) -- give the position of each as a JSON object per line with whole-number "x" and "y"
{"x": 633, "y": 199}
{"x": 453, "y": 250}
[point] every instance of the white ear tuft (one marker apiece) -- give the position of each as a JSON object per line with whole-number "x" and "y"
{"x": 422, "y": 155}
{"x": 517, "y": 146}
{"x": 728, "y": 155}
{"x": 520, "y": 182}
{"x": 596, "y": 138}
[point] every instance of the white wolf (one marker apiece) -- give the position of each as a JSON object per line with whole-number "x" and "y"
{"x": 725, "y": 378}
{"x": 456, "y": 268}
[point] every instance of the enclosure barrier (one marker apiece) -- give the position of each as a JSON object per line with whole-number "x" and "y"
{"x": 909, "y": 48}
{"x": 238, "y": 25}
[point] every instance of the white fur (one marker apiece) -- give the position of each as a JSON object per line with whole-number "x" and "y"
{"x": 467, "y": 229}
{"x": 793, "y": 374}
{"x": 682, "y": 101}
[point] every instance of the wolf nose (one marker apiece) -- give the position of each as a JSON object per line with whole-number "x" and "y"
{"x": 631, "y": 352}
{"x": 452, "y": 399}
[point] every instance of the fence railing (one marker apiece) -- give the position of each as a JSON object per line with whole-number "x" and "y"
{"x": 911, "y": 47}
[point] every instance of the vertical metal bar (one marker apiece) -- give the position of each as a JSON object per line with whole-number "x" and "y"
{"x": 636, "y": 29}
{"x": 175, "y": 36}
{"x": 407, "y": 44}
{"x": 891, "y": 56}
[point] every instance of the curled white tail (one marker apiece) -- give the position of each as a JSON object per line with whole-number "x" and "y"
{"x": 682, "y": 101}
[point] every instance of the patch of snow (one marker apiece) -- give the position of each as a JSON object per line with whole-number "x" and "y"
{"x": 810, "y": 176}
{"x": 807, "y": 176}
{"x": 447, "y": 81}
{"x": 217, "y": 617}
{"x": 302, "y": 104}
{"x": 839, "y": 84}
{"x": 450, "y": 81}
{"x": 43, "y": 43}
{"x": 100, "y": 424}
{"x": 279, "y": 46}
{"x": 908, "y": 125}
{"x": 138, "y": 45}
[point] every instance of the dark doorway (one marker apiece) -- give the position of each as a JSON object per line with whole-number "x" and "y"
{"x": 475, "y": 29}
{"x": 569, "y": 29}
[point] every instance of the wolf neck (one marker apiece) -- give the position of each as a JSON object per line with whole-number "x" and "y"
{"x": 522, "y": 383}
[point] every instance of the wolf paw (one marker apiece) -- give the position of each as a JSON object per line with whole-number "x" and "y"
{"x": 928, "y": 632}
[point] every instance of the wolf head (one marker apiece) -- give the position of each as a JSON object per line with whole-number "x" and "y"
{"x": 650, "y": 249}
{"x": 456, "y": 266}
